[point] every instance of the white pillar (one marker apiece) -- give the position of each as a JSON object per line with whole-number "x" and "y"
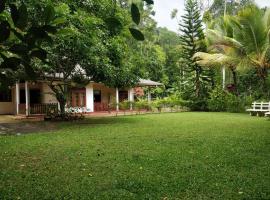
{"x": 17, "y": 92}
{"x": 89, "y": 98}
{"x": 223, "y": 77}
{"x": 131, "y": 97}
{"x": 27, "y": 99}
{"x": 117, "y": 99}
{"x": 149, "y": 95}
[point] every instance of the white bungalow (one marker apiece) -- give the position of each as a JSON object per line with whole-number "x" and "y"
{"x": 29, "y": 98}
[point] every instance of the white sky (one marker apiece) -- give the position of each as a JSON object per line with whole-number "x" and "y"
{"x": 164, "y": 8}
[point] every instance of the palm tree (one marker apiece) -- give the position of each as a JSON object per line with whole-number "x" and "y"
{"x": 253, "y": 32}
{"x": 223, "y": 49}
{"x": 246, "y": 42}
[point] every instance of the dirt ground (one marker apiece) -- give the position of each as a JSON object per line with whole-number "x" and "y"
{"x": 9, "y": 125}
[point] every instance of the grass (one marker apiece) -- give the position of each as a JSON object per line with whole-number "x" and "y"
{"x": 166, "y": 156}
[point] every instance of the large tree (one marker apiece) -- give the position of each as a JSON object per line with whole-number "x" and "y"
{"x": 193, "y": 41}
{"x": 20, "y": 41}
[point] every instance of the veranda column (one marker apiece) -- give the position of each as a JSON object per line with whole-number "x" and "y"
{"x": 149, "y": 95}
{"x": 89, "y": 98}
{"x": 27, "y": 99}
{"x": 130, "y": 97}
{"x": 223, "y": 77}
{"x": 17, "y": 91}
{"x": 117, "y": 99}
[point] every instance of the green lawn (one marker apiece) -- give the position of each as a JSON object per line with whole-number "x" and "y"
{"x": 160, "y": 156}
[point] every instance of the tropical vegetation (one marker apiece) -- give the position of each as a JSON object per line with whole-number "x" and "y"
{"x": 117, "y": 42}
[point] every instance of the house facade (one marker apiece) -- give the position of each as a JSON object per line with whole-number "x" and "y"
{"x": 29, "y": 98}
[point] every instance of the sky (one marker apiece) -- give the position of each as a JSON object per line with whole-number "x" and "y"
{"x": 163, "y": 9}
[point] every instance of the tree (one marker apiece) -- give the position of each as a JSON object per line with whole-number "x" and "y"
{"x": 192, "y": 40}
{"x": 88, "y": 47}
{"x": 221, "y": 55}
{"x": 247, "y": 44}
{"x": 20, "y": 42}
{"x": 219, "y": 7}
{"x": 170, "y": 43}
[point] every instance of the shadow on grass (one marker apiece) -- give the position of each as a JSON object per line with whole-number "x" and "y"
{"x": 41, "y": 127}
{"x": 101, "y": 121}
{"x": 26, "y": 128}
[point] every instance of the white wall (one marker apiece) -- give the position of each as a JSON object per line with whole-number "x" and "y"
{"x": 47, "y": 94}
{"x": 89, "y": 97}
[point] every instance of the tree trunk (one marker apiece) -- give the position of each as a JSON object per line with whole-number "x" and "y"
{"x": 62, "y": 108}
{"x": 265, "y": 88}
{"x": 234, "y": 73}
{"x": 197, "y": 84}
{"x": 61, "y": 96}
{"x": 263, "y": 74}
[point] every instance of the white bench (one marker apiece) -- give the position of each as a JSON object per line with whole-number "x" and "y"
{"x": 267, "y": 114}
{"x": 259, "y": 108}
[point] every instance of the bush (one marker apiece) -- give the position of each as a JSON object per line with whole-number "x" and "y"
{"x": 234, "y": 103}
{"x": 198, "y": 105}
{"x": 171, "y": 102}
{"x": 217, "y": 101}
{"x": 124, "y": 105}
{"x": 158, "y": 104}
{"x": 221, "y": 100}
{"x": 141, "y": 104}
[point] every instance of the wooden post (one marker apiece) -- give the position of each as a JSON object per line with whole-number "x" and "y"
{"x": 27, "y": 99}
{"x": 17, "y": 98}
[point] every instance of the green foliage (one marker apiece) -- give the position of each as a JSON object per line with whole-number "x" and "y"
{"x": 239, "y": 41}
{"x": 136, "y": 34}
{"x": 234, "y": 103}
{"x": 192, "y": 39}
{"x": 221, "y": 100}
{"x": 141, "y": 104}
{"x": 172, "y": 102}
{"x": 217, "y": 9}
{"x": 198, "y": 104}
{"x": 125, "y": 105}
{"x": 20, "y": 43}
{"x": 217, "y": 100}
{"x": 135, "y": 13}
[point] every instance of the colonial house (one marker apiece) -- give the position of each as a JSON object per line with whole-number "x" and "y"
{"x": 28, "y": 98}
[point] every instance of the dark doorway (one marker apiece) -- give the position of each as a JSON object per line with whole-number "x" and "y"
{"x": 35, "y": 97}
{"x": 22, "y": 96}
{"x": 123, "y": 95}
{"x": 97, "y": 96}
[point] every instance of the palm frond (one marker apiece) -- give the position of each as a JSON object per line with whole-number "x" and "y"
{"x": 217, "y": 59}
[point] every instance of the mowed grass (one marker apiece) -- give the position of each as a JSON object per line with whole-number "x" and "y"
{"x": 160, "y": 156}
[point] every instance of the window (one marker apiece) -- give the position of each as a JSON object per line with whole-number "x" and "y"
{"x": 82, "y": 99}
{"x": 5, "y": 96}
{"x": 77, "y": 98}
